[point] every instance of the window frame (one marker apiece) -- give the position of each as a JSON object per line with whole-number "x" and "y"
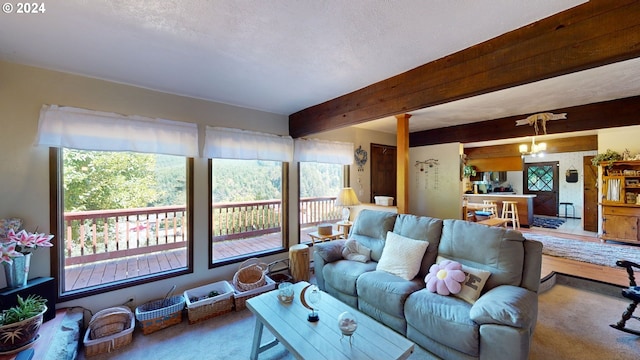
{"x": 284, "y": 228}
{"x": 57, "y": 228}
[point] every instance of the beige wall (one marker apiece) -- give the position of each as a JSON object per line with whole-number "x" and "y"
{"x": 436, "y": 191}
{"x": 24, "y": 180}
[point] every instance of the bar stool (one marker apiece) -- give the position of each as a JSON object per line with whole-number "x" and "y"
{"x": 488, "y": 212}
{"x": 510, "y": 212}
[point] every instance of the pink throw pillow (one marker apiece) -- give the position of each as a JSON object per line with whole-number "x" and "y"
{"x": 445, "y": 278}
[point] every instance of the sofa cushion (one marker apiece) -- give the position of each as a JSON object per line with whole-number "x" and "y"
{"x": 370, "y": 229}
{"x": 506, "y": 305}
{"x": 386, "y": 292}
{"x": 421, "y": 228}
{"x": 402, "y": 256}
{"x": 444, "y": 319}
{"x": 497, "y": 250}
{"x": 342, "y": 274}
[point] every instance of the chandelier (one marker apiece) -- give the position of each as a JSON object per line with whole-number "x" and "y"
{"x": 536, "y": 149}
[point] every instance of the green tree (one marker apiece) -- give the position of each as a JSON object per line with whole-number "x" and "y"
{"x": 96, "y": 180}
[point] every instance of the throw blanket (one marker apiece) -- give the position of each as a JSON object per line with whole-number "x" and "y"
{"x": 355, "y": 251}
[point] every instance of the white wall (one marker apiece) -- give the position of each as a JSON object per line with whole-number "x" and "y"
{"x": 24, "y": 168}
{"x": 436, "y": 191}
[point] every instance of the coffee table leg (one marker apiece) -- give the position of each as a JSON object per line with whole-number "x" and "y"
{"x": 257, "y": 337}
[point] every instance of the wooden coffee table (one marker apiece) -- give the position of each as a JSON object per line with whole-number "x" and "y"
{"x": 322, "y": 339}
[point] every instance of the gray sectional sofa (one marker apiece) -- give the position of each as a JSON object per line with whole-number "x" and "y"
{"x": 498, "y": 325}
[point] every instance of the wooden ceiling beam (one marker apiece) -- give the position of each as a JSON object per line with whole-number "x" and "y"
{"x": 602, "y": 115}
{"x": 578, "y": 143}
{"x": 593, "y": 34}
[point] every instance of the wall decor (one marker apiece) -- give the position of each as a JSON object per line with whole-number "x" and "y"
{"x": 360, "y": 157}
{"x": 429, "y": 168}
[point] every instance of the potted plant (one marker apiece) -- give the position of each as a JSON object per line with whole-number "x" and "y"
{"x": 19, "y": 325}
{"x": 16, "y": 247}
{"x": 608, "y": 156}
{"x": 469, "y": 171}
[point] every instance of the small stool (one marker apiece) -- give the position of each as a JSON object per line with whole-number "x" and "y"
{"x": 299, "y": 262}
{"x": 566, "y": 205}
{"x": 510, "y": 212}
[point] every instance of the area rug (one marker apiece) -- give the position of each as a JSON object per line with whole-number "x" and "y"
{"x": 591, "y": 252}
{"x": 547, "y": 222}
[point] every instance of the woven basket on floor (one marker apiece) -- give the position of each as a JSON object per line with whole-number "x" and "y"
{"x": 109, "y": 321}
{"x": 250, "y": 275}
{"x": 103, "y": 336}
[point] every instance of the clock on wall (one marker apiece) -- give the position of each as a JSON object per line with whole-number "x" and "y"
{"x": 360, "y": 157}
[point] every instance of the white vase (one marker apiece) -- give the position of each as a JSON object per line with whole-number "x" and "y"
{"x": 17, "y": 272}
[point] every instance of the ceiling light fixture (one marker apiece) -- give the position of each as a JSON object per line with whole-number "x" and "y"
{"x": 536, "y": 149}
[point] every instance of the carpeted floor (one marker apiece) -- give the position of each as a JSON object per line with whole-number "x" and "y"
{"x": 547, "y": 222}
{"x": 590, "y": 252}
{"x": 573, "y": 323}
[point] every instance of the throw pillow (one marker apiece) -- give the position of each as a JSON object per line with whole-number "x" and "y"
{"x": 445, "y": 277}
{"x": 473, "y": 283}
{"x": 355, "y": 251}
{"x": 402, "y": 256}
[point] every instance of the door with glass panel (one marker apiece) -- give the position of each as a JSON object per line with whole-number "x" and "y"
{"x": 541, "y": 179}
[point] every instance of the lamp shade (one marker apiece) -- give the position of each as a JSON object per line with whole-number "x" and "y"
{"x": 347, "y": 197}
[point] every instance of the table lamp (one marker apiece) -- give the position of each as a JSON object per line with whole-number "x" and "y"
{"x": 346, "y": 198}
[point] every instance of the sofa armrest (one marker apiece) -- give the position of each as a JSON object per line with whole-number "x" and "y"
{"x": 329, "y": 251}
{"x": 506, "y": 305}
{"x": 324, "y": 253}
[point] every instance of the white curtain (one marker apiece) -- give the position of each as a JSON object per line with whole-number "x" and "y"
{"x": 323, "y": 151}
{"x": 226, "y": 143}
{"x": 95, "y": 130}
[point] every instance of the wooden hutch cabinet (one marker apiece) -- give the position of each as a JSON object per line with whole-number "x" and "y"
{"x": 621, "y": 201}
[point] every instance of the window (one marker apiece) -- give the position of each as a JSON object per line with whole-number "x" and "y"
{"x": 125, "y": 219}
{"x": 248, "y": 174}
{"x": 319, "y": 185}
{"x": 121, "y": 198}
{"x": 247, "y": 209}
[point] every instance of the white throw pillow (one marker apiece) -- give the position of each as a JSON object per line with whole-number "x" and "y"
{"x": 402, "y": 256}
{"x": 473, "y": 283}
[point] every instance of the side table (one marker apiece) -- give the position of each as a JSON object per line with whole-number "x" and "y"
{"x": 317, "y": 237}
{"x": 346, "y": 227}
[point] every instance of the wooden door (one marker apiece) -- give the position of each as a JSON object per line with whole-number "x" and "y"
{"x": 590, "y": 195}
{"x": 383, "y": 171}
{"x": 541, "y": 179}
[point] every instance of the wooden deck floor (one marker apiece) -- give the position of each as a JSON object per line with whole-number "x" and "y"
{"x": 104, "y": 272}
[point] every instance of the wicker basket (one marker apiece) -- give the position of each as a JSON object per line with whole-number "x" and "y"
{"x": 250, "y": 275}
{"x": 199, "y": 310}
{"x": 240, "y": 297}
{"x": 278, "y": 271}
{"x": 107, "y": 321}
{"x": 159, "y": 314}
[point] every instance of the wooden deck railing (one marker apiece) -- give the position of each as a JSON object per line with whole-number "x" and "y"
{"x": 109, "y": 234}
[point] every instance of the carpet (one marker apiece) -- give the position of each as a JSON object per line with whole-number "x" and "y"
{"x": 573, "y": 323}
{"x": 547, "y": 222}
{"x": 591, "y": 252}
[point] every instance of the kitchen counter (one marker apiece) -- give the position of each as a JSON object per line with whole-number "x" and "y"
{"x": 525, "y": 204}
{"x": 502, "y": 194}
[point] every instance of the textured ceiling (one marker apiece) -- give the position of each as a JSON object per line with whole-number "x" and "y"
{"x": 283, "y": 56}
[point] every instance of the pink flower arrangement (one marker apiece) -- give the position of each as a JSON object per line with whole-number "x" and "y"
{"x": 14, "y": 244}
{"x": 445, "y": 278}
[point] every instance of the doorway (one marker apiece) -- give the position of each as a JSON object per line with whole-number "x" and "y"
{"x": 383, "y": 171}
{"x": 541, "y": 179}
{"x": 590, "y": 191}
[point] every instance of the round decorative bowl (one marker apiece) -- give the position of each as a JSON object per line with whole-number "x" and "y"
{"x": 285, "y": 292}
